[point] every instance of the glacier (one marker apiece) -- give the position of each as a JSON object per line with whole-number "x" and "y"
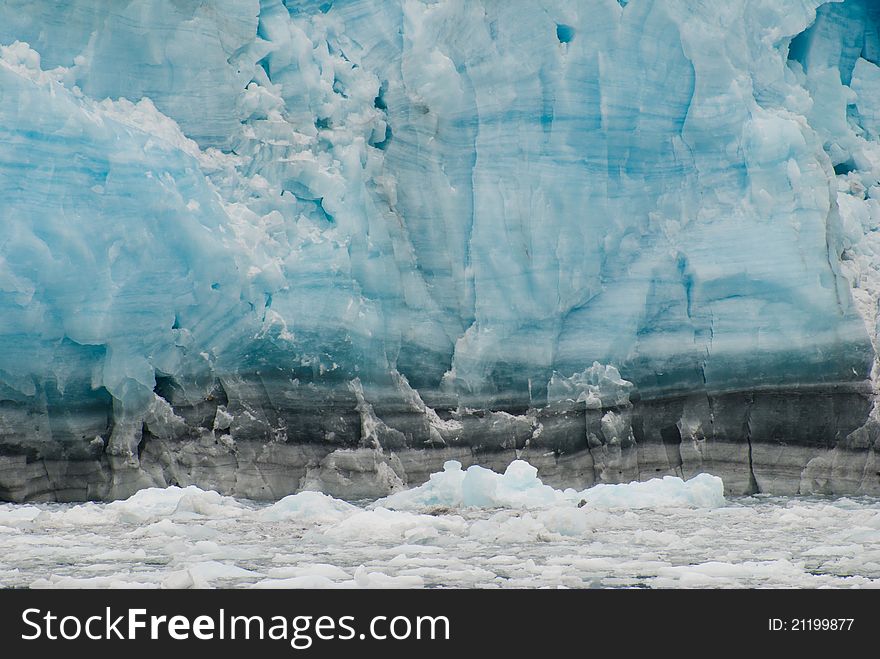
{"x": 264, "y": 247}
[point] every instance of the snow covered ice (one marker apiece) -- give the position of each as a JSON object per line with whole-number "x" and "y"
{"x": 519, "y": 487}
{"x": 518, "y": 533}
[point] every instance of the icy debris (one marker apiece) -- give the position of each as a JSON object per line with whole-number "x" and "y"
{"x": 597, "y": 386}
{"x": 308, "y": 507}
{"x": 176, "y": 502}
{"x": 415, "y": 517}
{"x": 210, "y": 570}
{"x": 304, "y": 581}
{"x": 167, "y": 529}
{"x": 633, "y": 535}
{"x": 384, "y": 525}
{"x": 362, "y": 579}
{"x": 222, "y": 418}
{"x": 701, "y": 491}
{"x": 114, "y": 582}
{"x": 366, "y": 579}
{"x": 520, "y": 487}
{"x": 324, "y": 570}
{"x": 12, "y": 516}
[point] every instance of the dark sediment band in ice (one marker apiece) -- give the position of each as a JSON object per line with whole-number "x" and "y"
{"x": 804, "y": 440}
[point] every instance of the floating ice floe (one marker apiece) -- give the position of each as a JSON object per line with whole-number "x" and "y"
{"x": 462, "y": 528}
{"x": 308, "y": 507}
{"x": 520, "y": 487}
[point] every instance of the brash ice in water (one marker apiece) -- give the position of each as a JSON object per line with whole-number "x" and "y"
{"x": 463, "y": 528}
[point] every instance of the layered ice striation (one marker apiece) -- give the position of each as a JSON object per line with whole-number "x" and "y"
{"x": 262, "y": 246}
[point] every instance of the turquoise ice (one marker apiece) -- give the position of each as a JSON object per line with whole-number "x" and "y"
{"x": 395, "y": 207}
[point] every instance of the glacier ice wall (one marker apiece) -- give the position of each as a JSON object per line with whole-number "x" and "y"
{"x": 265, "y": 245}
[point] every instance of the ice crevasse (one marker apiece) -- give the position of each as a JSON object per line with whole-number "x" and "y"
{"x": 265, "y": 246}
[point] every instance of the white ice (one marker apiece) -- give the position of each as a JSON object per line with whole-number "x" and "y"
{"x": 473, "y": 528}
{"x": 520, "y": 487}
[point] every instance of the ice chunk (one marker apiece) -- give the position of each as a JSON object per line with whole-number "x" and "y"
{"x": 597, "y": 386}
{"x": 701, "y": 491}
{"x": 520, "y": 487}
{"x": 308, "y": 508}
{"x": 304, "y": 581}
{"x": 184, "y": 503}
{"x": 381, "y": 524}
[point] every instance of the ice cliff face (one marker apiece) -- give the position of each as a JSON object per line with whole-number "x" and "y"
{"x": 261, "y": 246}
